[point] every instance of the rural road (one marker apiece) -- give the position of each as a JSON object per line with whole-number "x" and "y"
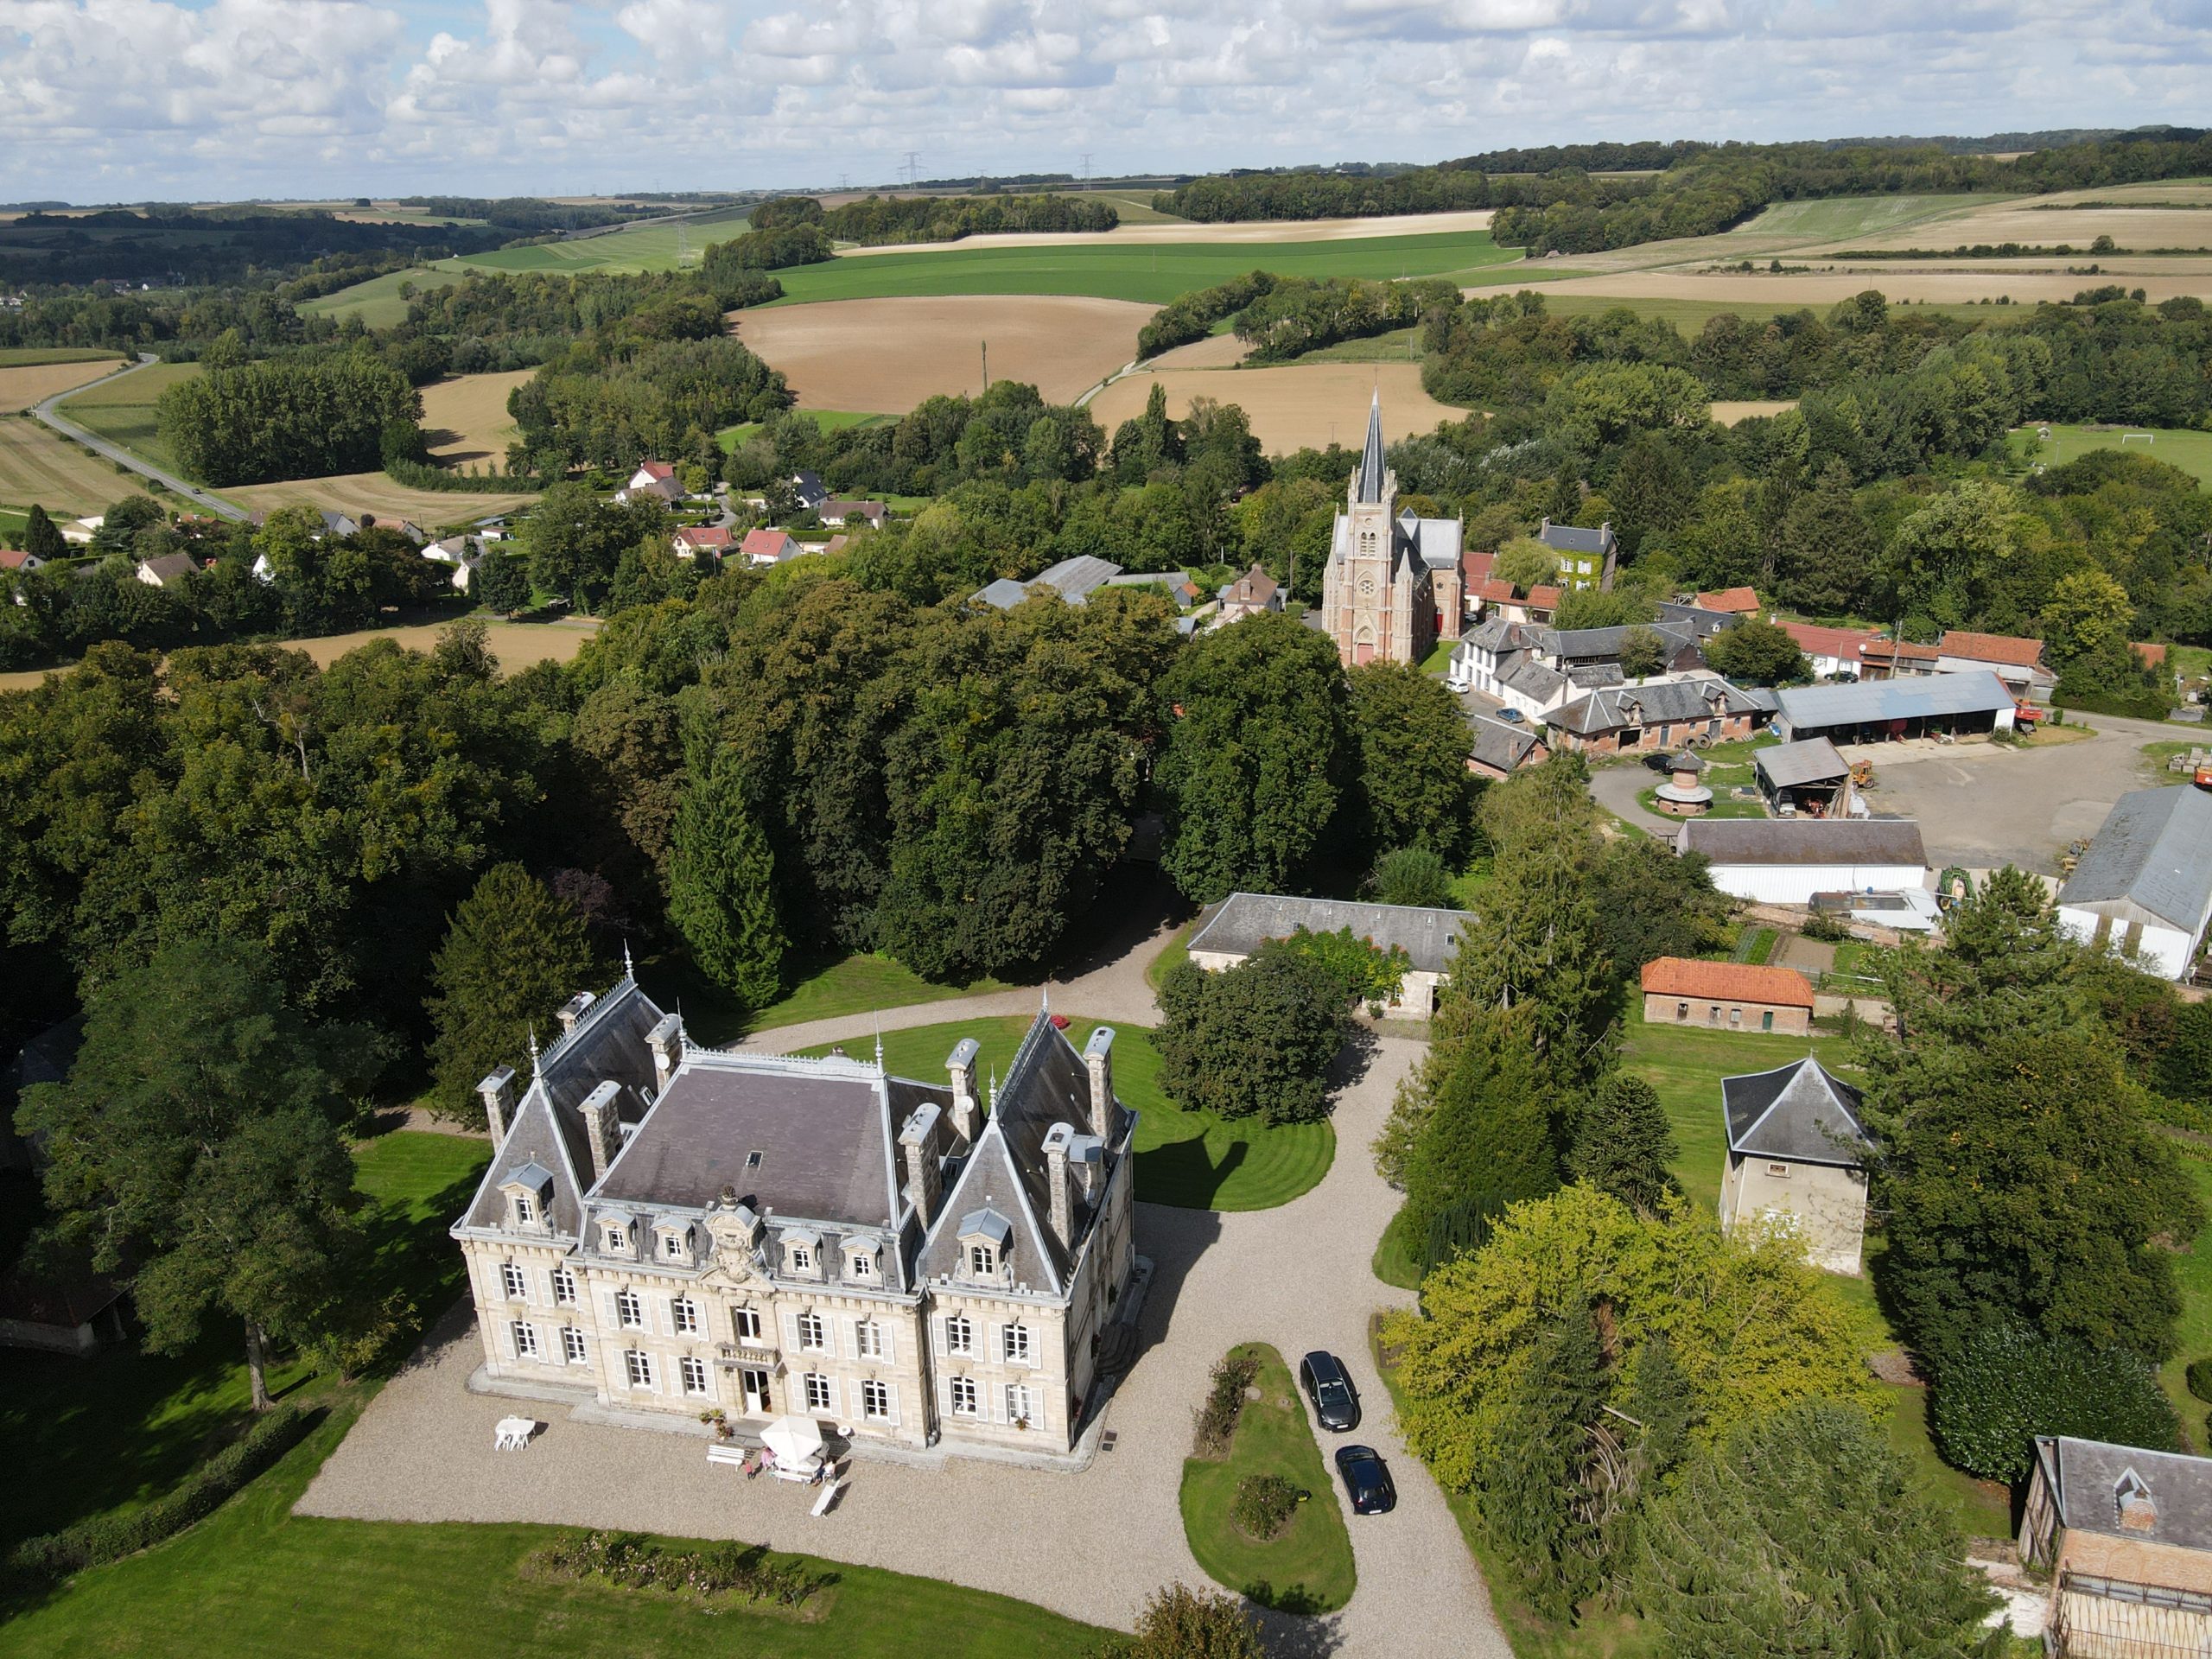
{"x": 68, "y": 428}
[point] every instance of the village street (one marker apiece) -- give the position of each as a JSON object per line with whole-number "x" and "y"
{"x": 1091, "y": 1545}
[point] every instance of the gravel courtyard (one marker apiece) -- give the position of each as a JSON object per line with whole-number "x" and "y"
{"x": 1091, "y": 1545}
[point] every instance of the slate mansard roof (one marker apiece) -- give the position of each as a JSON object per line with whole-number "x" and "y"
{"x": 2085, "y": 1478}
{"x": 2153, "y": 860}
{"x": 1798, "y": 1113}
{"x": 1662, "y": 702}
{"x": 1244, "y": 921}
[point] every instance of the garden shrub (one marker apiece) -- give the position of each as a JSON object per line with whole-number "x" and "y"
{"x": 636, "y": 1562}
{"x": 2008, "y": 1383}
{"x": 2200, "y": 1377}
{"x": 1263, "y": 1505}
{"x": 55, "y": 1555}
{"x": 1224, "y": 1403}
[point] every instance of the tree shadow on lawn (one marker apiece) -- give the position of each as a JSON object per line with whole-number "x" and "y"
{"x": 1184, "y": 1173}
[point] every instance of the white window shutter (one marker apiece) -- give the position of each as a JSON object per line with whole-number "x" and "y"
{"x": 852, "y": 1335}
{"x": 790, "y": 1331}
{"x": 891, "y": 1399}
{"x": 888, "y": 1338}
{"x": 944, "y": 1395}
{"x": 1036, "y": 1407}
{"x": 858, "y": 1405}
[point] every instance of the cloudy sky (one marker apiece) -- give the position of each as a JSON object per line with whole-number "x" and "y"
{"x": 105, "y": 100}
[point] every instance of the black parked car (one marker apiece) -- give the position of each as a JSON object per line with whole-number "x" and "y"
{"x": 1366, "y": 1481}
{"x": 1336, "y": 1402}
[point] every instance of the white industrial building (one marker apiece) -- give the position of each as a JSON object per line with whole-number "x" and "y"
{"x": 1787, "y": 861}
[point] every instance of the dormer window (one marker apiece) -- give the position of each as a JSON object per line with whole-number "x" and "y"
{"x": 985, "y": 1236}
{"x": 982, "y": 1260}
{"x": 617, "y": 1240}
{"x": 675, "y": 1246}
{"x": 859, "y": 1264}
{"x": 802, "y": 1259}
{"x": 803, "y": 1253}
{"x": 526, "y": 1210}
{"x": 529, "y": 1189}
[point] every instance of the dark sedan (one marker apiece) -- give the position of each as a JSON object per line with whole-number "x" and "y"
{"x": 1336, "y": 1402}
{"x": 1366, "y": 1481}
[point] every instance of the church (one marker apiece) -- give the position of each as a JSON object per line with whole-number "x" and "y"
{"x": 1392, "y": 589}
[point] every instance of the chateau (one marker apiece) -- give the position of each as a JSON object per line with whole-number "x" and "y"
{"x": 675, "y": 1229}
{"x": 1392, "y": 588}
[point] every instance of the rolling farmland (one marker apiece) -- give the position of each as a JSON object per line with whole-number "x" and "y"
{"x": 465, "y": 417}
{"x": 123, "y": 413}
{"x": 37, "y": 464}
{"x": 24, "y": 384}
{"x": 1290, "y": 407}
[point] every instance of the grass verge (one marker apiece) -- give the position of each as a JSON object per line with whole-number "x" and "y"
{"x": 1193, "y": 1161}
{"x": 1307, "y": 1566}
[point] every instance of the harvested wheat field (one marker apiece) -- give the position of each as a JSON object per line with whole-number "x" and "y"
{"x": 1302, "y": 405}
{"x": 1214, "y": 351}
{"x": 38, "y": 464}
{"x": 1949, "y": 285}
{"x": 466, "y": 418}
{"x": 359, "y": 492}
{"x": 20, "y": 387}
{"x": 1164, "y": 231}
{"x": 1728, "y": 413}
{"x": 882, "y": 357}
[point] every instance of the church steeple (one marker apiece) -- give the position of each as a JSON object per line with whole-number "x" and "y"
{"x": 1370, "y": 462}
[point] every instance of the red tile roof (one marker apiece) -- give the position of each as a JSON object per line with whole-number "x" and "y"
{"x": 1544, "y": 599}
{"x": 704, "y": 536}
{"x": 1896, "y": 650}
{"x": 767, "y": 543}
{"x": 1728, "y": 981}
{"x": 1730, "y": 601}
{"x": 1842, "y": 643}
{"x": 1494, "y": 590}
{"x": 2153, "y": 655}
{"x": 660, "y": 471}
{"x": 1992, "y": 648}
{"x": 11, "y": 559}
{"x": 1475, "y": 568}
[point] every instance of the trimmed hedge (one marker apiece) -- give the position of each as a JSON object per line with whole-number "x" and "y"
{"x": 1215, "y": 1421}
{"x": 2200, "y": 1378}
{"x": 2121, "y": 706}
{"x": 2010, "y": 1383}
{"x": 45, "y": 1559}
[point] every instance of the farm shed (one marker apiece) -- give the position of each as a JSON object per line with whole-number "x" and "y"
{"x": 1787, "y": 861}
{"x": 1794, "y": 1146}
{"x": 2145, "y": 883}
{"x": 1501, "y": 749}
{"x": 1731, "y": 996}
{"x": 1806, "y": 777}
{"x": 1962, "y": 705}
{"x": 2125, "y": 1535}
{"x": 1242, "y": 923}
{"x": 1074, "y": 580}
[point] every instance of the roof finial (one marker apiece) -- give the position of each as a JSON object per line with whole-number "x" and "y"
{"x": 537, "y": 1071}
{"x": 995, "y": 1090}
{"x": 877, "y": 1018}
{"x": 1044, "y": 997}
{"x": 628, "y": 972}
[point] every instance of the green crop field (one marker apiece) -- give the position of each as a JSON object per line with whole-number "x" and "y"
{"x": 829, "y": 420}
{"x": 1691, "y": 315}
{"x": 2190, "y": 451}
{"x": 1851, "y": 216}
{"x": 646, "y": 247}
{"x": 377, "y": 301}
{"x": 122, "y": 410}
{"x": 1150, "y": 273}
{"x": 29, "y": 357}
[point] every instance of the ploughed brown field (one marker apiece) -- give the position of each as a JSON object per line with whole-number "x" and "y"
{"x": 1729, "y": 412}
{"x": 1300, "y": 405}
{"x": 1168, "y": 231}
{"x": 466, "y": 418}
{"x": 20, "y": 387}
{"x": 882, "y": 357}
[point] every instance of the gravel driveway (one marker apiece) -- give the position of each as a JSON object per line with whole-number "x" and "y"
{"x": 1091, "y": 1545}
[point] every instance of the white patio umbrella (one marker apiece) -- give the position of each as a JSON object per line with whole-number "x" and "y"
{"x": 793, "y": 1440}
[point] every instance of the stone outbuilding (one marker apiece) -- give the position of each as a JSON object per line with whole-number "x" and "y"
{"x": 2125, "y": 1535}
{"x": 1795, "y": 1144}
{"x": 2146, "y": 884}
{"x": 1727, "y": 996}
{"x": 1242, "y": 923}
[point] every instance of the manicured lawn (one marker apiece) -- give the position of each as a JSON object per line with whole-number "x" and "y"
{"x": 2193, "y": 1271}
{"x": 1396, "y": 1260}
{"x": 254, "y": 1579}
{"x": 115, "y": 1432}
{"x": 1191, "y": 1160}
{"x": 829, "y": 420}
{"x": 1151, "y": 273}
{"x": 1723, "y": 805}
{"x": 856, "y": 984}
{"x": 1307, "y": 1566}
{"x": 1177, "y": 950}
{"x": 2176, "y": 447}
{"x": 1439, "y": 661}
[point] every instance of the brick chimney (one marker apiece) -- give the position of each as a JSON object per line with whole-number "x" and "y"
{"x": 961, "y": 1066}
{"x": 917, "y": 1144}
{"x": 499, "y": 1093}
{"x": 603, "y": 1117}
{"x": 1098, "y": 1059}
{"x": 1057, "y": 1139}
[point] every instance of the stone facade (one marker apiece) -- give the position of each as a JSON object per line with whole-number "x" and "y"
{"x": 1392, "y": 586}
{"x": 1794, "y": 1151}
{"x": 677, "y": 1230}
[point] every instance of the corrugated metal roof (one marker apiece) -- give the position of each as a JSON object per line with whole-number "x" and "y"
{"x": 1819, "y": 706}
{"x": 1812, "y": 761}
{"x": 2155, "y": 850}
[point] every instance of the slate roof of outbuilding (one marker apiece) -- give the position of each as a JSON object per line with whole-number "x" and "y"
{"x": 2084, "y": 1476}
{"x": 2155, "y": 853}
{"x": 1813, "y": 761}
{"x": 1664, "y": 703}
{"x": 1805, "y": 841}
{"x": 1800, "y": 1112}
{"x": 1500, "y": 745}
{"x": 1243, "y": 921}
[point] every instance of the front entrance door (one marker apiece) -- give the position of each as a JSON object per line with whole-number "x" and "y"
{"x": 753, "y": 1387}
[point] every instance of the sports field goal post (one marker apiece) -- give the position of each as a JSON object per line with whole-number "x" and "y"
{"x": 2126, "y": 438}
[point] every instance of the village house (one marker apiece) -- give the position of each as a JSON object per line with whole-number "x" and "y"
{"x": 653, "y": 481}
{"x": 1537, "y": 669}
{"x": 2016, "y": 662}
{"x": 1242, "y": 923}
{"x": 809, "y": 488}
{"x": 167, "y": 570}
{"x": 1254, "y": 592}
{"x": 1787, "y": 861}
{"x": 2144, "y": 886}
{"x": 1587, "y": 557}
{"x": 1953, "y": 705}
{"x": 1737, "y": 602}
{"x": 1835, "y": 653}
{"x": 1500, "y": 749}
{"x": 2125, "y": 1535}
{"x": 762, "y": 548}
{"x": 1795, "y": 1146}
{"x": 669, "y": 1229}
{"x": 1702, "y": 625}
{"x": 13, "y": 558}
{"x": 708, "y": 542}
{"x": 1653, "y": 715}
{"x": 1727, "y": 996}
{"x": 839, "y": 514}
{"x": 1391, "y": 586}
